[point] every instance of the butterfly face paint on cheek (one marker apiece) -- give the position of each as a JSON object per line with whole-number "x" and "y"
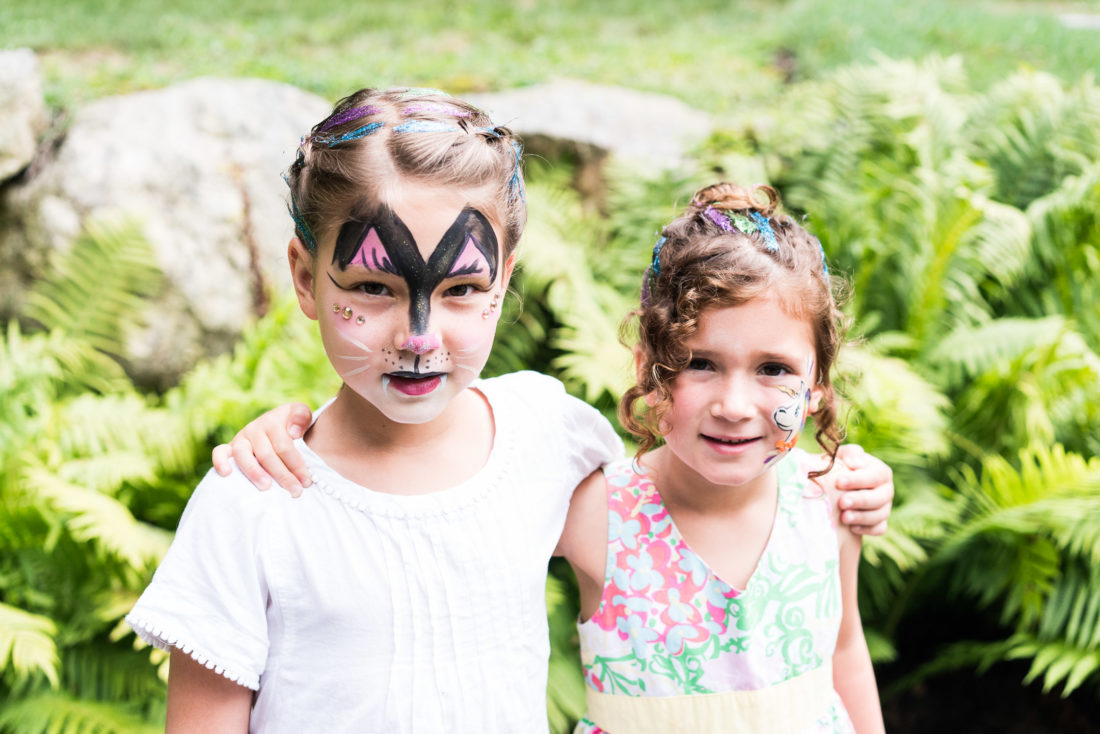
{"x": 383, "y": 243}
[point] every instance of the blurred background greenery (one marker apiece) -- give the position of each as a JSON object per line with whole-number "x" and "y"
{"x": 947, "y": 154}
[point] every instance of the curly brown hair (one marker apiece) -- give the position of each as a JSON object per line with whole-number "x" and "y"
{"x": 350, "y": 158}
{"x": 702, "y": 264}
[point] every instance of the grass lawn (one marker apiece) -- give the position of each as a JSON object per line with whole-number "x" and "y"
{"x": 714, "y": 54}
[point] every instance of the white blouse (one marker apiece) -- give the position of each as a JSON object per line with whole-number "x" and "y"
{"x": 351, "y": 610}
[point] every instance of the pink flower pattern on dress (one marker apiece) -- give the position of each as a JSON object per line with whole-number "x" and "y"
{"x": 667, "y": 625}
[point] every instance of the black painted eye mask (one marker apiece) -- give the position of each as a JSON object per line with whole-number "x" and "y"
{"x": 380, "y": 241}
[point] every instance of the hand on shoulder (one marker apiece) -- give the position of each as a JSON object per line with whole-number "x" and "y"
{"x": 264, "y": 449}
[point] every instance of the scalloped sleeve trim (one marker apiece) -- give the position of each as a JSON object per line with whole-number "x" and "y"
{"x": 160, "y": 638}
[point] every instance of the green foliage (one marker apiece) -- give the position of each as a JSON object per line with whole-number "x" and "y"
{"x": 967, "y": 223}
{"x": 961, "y": 200}
{"x": 93, "y": 476}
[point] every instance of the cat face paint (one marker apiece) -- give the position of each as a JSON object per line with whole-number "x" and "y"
{"x": 384, "y": 244}
{"x": 402, "y": 304}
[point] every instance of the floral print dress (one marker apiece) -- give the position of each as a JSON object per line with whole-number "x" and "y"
{"x": 668, "y": 626}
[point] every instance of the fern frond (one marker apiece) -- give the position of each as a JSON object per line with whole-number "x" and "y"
{"x": 36, "y": 369}
{"x": 899, "y": 417}
{"x": 587, "y": 310}
{"x": 1056, "y": 661}
{"x": 97, "y": 518}
{"x": 106, "y": 672}
{"x": 976, "y": 349}
{"x": 1034, "y": 133}
{"x": 135, "y": 428}
{"x": 1052, "y": 489}
{"x": 112, "y": 261}
{"x": 1042, "y": 390}
{"x": 57, "y": 713}
{"x": 27, "y": 644}
{"x": 1018, "y": 532}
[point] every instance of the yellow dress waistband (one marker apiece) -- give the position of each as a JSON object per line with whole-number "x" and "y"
{"x": 789, "y": 707}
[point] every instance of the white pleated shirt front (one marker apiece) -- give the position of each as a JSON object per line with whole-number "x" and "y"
{"x": 350, "y": 610}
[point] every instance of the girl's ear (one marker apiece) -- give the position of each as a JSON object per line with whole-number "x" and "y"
{"x": 302, "y": 265}
{"x": 815, "y": 399}
{"x": 509, "y": 265}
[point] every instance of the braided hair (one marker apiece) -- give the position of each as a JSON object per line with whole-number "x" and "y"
{"x": 373, "y": 136}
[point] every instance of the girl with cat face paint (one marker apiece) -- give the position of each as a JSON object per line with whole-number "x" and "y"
{"x": 415, "y": 337}
{"x": 405, "y": 591}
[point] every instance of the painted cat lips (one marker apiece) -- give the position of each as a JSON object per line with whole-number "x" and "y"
{"x": 413, "y": 383}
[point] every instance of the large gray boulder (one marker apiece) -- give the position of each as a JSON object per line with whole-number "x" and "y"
{"x": 199, "y": 167}
{"x": 640, "y": 128}
{"x": 22, "y": 110}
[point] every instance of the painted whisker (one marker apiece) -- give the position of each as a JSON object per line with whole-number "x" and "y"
{"x": 357, "y": 370}
{"x": 355, "y": 342}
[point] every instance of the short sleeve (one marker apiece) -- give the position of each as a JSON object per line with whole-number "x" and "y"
{"x": 209, "y": 595}
{"x": 585, "y": 439}
{"x": 591, "y": 440}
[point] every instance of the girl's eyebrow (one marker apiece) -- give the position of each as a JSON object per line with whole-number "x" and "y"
{"x": 778, "y": 356}
{"x": 765, "y": 356}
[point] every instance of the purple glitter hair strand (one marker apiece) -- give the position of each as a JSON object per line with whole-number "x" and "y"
{"x": 348, "y": 115}
{"x": 718, "y": 218}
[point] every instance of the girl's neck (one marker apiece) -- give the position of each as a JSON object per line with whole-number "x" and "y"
{"x": 363, "y": 445}
{"x": 683, "y": 490}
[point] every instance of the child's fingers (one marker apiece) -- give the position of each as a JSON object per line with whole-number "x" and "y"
{"x": 271, "y": 459}
{"x": 866, "y": 522}
{"x": 223, "y": 459}
{"x": 852, "y": 455}
{"x": 879, "y": 529}
{"x": 288, "y": 462}
{"x": 872, "y": 473}
{"x": 879, "y": 497}
{"x": 298, "y": 420}
{"x": 247, "y": 463}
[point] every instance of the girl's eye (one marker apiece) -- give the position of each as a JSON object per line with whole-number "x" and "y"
{"x": 774, "y": 370}
{"x": 460, "y": 290}
{"x": 698, "y": 364}
{"x": 373, "y": 289}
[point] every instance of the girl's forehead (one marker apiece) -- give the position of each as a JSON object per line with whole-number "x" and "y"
{"x": 428, "y": 210}
{"x": 762, "y": 321}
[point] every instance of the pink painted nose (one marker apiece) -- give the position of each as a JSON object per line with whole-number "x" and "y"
{"x": 421, "y": 344}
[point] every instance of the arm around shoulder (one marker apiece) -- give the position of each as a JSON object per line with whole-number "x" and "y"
{"x": 201, "y": 701}
{"x": 853, "y": 675}
{"x": 584, "y": 540}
